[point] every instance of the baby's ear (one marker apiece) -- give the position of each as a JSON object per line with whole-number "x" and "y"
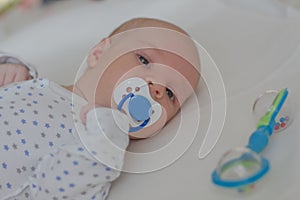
{"x": 96, "y": 52}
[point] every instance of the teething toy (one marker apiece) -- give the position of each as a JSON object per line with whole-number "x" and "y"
{"x": 241, "y": 167}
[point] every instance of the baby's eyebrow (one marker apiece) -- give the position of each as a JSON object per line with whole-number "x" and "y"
{"x": 153, "y": 51}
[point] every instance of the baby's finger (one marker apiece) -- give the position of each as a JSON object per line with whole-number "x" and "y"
{"x": 83, "y": 113}
{"x": 2, "y": 76}
{"x": 2, "y": 73}
{"x": 85, "y": 109}
{"x": 22, "y": 76}
{"x": 8, "y": 77}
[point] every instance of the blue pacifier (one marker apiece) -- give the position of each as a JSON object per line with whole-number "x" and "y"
{"x": 133, "y": 97}
{"x": 241, "y": 167}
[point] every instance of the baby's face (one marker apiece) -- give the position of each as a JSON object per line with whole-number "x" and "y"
{"x": 170, "y": 77}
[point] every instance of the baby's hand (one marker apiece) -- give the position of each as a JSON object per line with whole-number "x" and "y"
{"x": 10, "y": 73}
{"x": 85, "y": 109}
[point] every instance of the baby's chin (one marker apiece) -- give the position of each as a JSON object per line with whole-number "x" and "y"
{"x": 131, "y": 137}
{"x": 147, "y": 132}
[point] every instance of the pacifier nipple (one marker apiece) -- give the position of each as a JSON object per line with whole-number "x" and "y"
{"x": 133, "y": 97}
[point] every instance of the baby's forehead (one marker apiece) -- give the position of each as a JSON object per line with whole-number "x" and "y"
{"x": 170, "y": 59}
{"x": 176, "y": 51}
{"x": 161, "y": 39}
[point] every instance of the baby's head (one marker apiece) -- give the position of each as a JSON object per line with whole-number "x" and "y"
{"x": 158, "y": 52}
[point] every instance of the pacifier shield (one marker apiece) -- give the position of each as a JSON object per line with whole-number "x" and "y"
{"x": 133, "y": 97}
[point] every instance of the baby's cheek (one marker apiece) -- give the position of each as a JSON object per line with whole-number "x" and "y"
{"x": 170, "y": 107}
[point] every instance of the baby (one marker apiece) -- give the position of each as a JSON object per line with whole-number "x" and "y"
{"x": 68, "y": 142}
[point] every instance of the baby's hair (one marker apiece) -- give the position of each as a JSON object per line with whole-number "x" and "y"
{"x": 146, "y": 22}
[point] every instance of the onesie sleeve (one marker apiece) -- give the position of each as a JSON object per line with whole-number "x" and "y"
{"x": 85, "y": 169}
{"x": 9, "y": 58}
{"x": 106, "y": 136}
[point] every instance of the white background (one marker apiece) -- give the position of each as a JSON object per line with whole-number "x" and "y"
{"x": 254, "y": 49}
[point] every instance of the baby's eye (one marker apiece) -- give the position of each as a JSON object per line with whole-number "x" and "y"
{"x": 144, "y": 60}
{"x": 170, "y": 94}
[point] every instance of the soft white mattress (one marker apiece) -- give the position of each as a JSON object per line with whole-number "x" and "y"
{"x": 254, "y": 51}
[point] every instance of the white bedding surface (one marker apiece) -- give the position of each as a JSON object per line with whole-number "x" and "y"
{"x": 253, "y": 51}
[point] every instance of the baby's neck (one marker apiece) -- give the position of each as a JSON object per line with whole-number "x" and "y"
{"x": 69, "y": 87}
{"x": 75, "y": 90}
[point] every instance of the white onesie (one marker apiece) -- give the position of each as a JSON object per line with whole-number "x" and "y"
{"x": 45, "y": 150}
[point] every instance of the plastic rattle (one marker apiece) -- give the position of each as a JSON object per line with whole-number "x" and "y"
{"x": 241, "y": 167}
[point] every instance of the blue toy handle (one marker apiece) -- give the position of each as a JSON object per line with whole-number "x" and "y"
{"x": 228, "y": 174}
{"x": 259, "y": 139}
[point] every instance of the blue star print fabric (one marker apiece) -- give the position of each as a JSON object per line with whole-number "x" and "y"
{"x": 41, "y": 155}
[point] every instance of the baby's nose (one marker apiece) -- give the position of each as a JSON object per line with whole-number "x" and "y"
{"x": 157, "y": 91}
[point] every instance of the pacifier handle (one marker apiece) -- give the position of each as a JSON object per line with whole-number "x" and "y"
{"x": 260, "y": 137}
{"x": 139, "y": 109}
